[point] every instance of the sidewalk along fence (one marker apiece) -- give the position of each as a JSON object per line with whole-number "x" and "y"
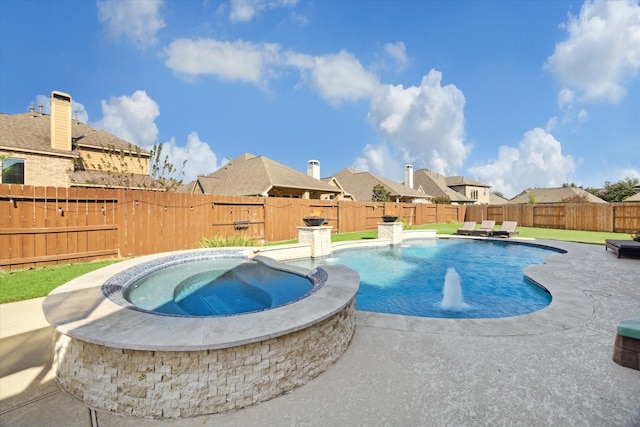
{"x": 47, "y": 225}
{"x": 610, "y": 217}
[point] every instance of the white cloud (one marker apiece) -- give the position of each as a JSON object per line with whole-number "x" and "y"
{"x": 337, "y": 78}
{"x": 583, "y": 116}
{"x": 602, "y": 52}
{"x": 536, "y": 162}
{"x": 566, "y": 96}
{"x": 398, "y": 52}
{"x": 239, "y": 60}
{"x": 629, "y": 173}
{"x": 381, "y": 160}
{"x": 246, "y": 10}
{"x": 423, "y": 124}
{"x": 201, "y": 160}
{"x": 131, "y": 118}
{"x": 138, "y": 21}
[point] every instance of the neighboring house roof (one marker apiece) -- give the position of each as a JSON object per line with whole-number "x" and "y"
{"x": 94, "y": 178}
{"x": 335, "y": 183}
{"x": 494, "y": 199}
{"x": 250, "y": 175}
{"x": 634, "y": 198}
{"x": 31, "y": 132}
{"x": 435, "y": 184}
{"x": 360, "y": 184}
{"x": 554, "y": 195}
{"x": 454, "y": 181}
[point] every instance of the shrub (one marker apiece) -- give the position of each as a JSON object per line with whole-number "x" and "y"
{"x": 406, "y": 225}
{"x": 220, "y": 241}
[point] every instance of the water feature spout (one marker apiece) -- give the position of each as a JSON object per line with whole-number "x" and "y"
{"x": 452, "y": 294}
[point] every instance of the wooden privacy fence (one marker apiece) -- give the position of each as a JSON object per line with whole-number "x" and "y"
{"x": 48, "y": 225}
{"x": 611, "y": 217}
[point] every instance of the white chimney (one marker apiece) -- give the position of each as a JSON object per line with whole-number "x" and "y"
{"x": 408, "y": 176}
{"x": 313, "y": 169}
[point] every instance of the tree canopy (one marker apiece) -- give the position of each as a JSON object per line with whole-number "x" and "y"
{"x": 380, "y": 194}
{"x": 618, "y": 191}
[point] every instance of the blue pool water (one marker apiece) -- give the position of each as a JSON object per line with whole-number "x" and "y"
{"x": 215, "y": 287}
{"x": 409, "y": 279}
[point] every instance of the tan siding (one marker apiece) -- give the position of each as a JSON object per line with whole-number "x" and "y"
{"x": 100, "y": 160}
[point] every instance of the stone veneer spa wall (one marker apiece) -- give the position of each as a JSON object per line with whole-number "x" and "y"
{"x": 134, "y": 362}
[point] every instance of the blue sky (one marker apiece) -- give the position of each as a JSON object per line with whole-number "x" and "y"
{"x": 515, "y": 94}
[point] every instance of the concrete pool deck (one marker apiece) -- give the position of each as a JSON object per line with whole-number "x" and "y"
{"x": 556, "y": 369}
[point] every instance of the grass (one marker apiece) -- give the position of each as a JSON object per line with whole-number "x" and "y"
{"x": 593, "y": 237}
{"x": 25, "y": 284}
{"x": 38, "y": 282}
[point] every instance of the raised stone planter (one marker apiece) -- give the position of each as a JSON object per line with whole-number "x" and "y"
{"x": 391, "y": 231}
{"x": 626, "y": 350}
{"x": 318, "y": 237}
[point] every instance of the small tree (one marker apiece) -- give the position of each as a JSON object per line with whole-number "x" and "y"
{"x": 163, "y": 171}
{"x": 617, "y": 192}
{"x": 531, "y": 200}
{"x": 442, "y": 200}
{"x": 380, "y": 194}
{"x": 577, "y": 198}
{"x": 119, "y": 166}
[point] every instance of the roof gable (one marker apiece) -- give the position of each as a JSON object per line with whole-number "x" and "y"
{"x": 250, "y": 175}
{"x": 360, "y": 184}
{"x": 554, "y": 195}
{"x": 436, "y": 184}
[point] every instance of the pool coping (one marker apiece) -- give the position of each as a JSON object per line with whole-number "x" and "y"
{"x": 80, "y": 309}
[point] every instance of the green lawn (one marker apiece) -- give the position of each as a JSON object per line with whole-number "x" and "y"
{"x": 20, "y": 285}
{"x": 33, "y": 283}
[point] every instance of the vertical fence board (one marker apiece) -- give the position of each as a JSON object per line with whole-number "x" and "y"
{"x": 40, "y": 221}
{"x": 76, "y": 217}
{"x": 15, "y": 221}
{"x": 28, "y": 212}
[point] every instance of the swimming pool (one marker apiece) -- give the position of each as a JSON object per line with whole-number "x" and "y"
{"x": 409, "y": 279}
{"x": 215, "y": 287}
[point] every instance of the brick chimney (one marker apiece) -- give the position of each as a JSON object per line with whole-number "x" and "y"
{"x": 60, "y": 121}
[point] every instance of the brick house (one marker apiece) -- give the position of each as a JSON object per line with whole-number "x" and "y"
{"x": 56, "y": 150}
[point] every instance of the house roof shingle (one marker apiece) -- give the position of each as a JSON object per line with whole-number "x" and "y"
{"x": 250, "y": 175}
{"x": 32, "y": 132}
{"x": 554, "y": 195}
{"x": 360, "y": 184}
{"x": 94, "y": 178}
{"x": 435, "y": 184}
{"x": 453, "y": 181}
{"x": 634, "y": 198}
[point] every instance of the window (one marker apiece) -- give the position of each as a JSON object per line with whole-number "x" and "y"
{"x": 13, "y": 171}
{"x": 474, "y": 194}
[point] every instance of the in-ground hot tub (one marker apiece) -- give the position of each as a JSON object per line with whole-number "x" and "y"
{"x": 122, "y": 358}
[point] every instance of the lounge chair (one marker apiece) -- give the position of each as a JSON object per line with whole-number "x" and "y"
{"x": 507, "y": 229}
{"x": 486, "y": 229}
{"x": 623, "y": 247}
{"x": 467, "y": 228}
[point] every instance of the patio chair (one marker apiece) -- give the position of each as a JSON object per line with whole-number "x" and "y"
{"x": 507, "y": 229}
{"x": 467, "y": 228}
{"x": 486, "y": 229}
